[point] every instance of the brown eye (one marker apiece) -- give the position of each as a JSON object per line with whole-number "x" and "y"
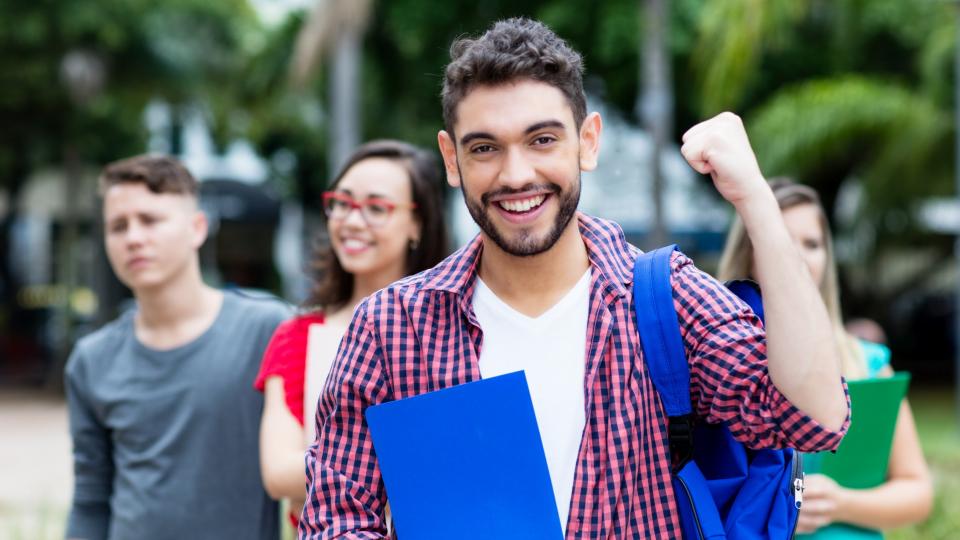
{"x": 482, "y": 149}
{"x": 377, "y": 209}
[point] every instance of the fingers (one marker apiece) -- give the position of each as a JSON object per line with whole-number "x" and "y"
{"x": 698, "y": 163}
{"x": 806, "y": 525}
{"x": 814, "y": 515}
{"x": 818, "y": 504}
{"x": 722, "y": 118}
{"x": 696, "y": 153}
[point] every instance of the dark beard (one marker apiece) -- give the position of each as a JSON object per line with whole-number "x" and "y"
{"x": 525, "y": 245}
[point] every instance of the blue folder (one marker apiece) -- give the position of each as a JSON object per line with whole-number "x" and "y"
{"x": 466, "y": 462}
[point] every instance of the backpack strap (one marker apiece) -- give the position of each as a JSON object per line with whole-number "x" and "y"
{"x": 660, "y": 331}
{"x": 663, "y": 347}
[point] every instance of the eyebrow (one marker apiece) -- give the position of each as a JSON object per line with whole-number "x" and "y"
{"x": 369, "y": 195}
{"x": 474, "y": 135}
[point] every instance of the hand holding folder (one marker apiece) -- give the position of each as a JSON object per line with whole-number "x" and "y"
{"x": 466, "y": 462}
{"x": 864, "y": 455}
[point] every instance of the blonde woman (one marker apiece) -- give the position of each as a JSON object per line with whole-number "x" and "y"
{"x": 906, "y": 496}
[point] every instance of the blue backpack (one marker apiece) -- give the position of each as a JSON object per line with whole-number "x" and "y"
{"x": 723, "y": 489}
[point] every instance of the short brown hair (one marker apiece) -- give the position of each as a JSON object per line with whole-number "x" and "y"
{"x": 160, "y": 173}
{"x": 514, "y": 49}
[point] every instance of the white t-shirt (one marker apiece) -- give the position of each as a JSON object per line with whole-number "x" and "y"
{"x": 323, "y": 340}
{"x": 551, "y": 350}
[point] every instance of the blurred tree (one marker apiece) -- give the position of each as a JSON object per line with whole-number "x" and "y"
{"x": 75, "y": 79}
{"x": 336, "y": 28}
{"x": 837, "y": 91}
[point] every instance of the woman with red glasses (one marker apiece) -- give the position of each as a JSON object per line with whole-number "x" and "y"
{"x": 384, "y": 215}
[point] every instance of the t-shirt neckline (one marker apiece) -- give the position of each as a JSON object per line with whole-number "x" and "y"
{"x": 486, "y": 295}
{"x": 188, "y": 346}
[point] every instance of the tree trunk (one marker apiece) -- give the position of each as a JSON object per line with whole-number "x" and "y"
{"x": 656, "y": 108}
{"x": 344, "y": 134}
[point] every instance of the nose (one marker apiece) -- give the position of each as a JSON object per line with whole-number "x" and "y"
{"x": 354, "y": 218}
{"x": 517, "y": 169}
{"x": 134, "y": 234}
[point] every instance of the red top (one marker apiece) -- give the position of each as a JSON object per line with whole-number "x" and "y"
{"x": 286, "y": 357}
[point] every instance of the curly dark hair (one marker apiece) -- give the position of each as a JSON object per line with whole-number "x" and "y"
{"x": 514, "y": 49}
{"x": 332, "y": 285}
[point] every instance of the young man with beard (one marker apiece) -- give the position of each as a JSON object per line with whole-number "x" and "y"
{"x": 163, "y": 419}
{"x": 548, "y": 290}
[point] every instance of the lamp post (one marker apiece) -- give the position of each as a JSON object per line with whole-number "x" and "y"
{"x": 655, "y": 106}
{"x": 82, "y": 73}
{"x": 956, "y": 240}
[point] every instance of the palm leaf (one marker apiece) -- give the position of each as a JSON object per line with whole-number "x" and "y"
{"x": 732, "y": 37}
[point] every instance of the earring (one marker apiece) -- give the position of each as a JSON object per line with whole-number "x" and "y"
{"x": 414, "y": 244}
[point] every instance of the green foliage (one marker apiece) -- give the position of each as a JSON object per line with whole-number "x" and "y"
{"x": 733, "y": 35}
{"x": 803, "y": 128}
{"x": 181, "y": 50}
{"x": 843, "y": 90}
{"x": 940, "y": 438}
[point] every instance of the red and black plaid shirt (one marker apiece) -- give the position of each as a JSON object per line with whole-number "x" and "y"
{"x": 421, "y": 335}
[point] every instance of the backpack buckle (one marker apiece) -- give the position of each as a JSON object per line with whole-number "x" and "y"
{"x": 680, "y": 433}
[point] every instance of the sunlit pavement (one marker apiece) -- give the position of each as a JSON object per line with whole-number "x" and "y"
{"x": 36, "y": 477}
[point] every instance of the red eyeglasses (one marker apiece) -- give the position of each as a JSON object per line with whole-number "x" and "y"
{"x": 375, "y": 211}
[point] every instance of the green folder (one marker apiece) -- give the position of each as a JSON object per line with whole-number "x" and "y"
{"x": 863, "y": 456}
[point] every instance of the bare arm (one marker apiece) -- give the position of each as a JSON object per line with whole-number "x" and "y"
{"x": 281, "y": 447}
{"x": 803, "y": 358}
{"x": 906, "y": 497}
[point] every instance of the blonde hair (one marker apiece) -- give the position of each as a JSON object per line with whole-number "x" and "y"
{"x": 737, "y": 263}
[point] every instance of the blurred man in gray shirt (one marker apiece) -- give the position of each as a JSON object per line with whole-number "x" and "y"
{"x": 163, "y": 419}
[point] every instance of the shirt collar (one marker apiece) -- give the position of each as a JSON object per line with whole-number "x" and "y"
{"x": 607, "y": 249}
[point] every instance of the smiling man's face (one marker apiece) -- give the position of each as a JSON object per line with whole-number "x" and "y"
{"x": 517, "y": 160}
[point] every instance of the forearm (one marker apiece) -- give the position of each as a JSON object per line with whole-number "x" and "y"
{"x": 281, "y": 446}
{"x": 907, "y": 495}
{"x": 893, "y": 504}
{"x": 803, "y": 359}
{"x": 284, "y": 478}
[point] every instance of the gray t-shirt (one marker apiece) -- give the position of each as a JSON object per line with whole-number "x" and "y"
{"x": 165, "y": 443}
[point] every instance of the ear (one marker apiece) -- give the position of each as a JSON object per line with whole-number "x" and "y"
{"x": 200, "y": 227}
{"x": 416, "y": 228}
{"x": 590, "y": 141}
{"x": 448, "y": 149}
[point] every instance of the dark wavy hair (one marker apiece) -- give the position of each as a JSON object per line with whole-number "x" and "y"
{"x": 332, "y": 285}
{"x": 514, "y": 49}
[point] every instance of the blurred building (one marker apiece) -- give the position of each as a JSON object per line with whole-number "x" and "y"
{"x": 61, "y": 280}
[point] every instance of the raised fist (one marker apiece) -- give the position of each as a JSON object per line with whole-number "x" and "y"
{"x": 719, "y": 147}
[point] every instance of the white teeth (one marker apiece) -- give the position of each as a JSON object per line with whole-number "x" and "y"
{"x": 351, "y": 243}
{"x": 522, "y": 205}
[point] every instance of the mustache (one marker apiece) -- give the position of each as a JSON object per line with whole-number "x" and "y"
{"x": 552, "y": 188}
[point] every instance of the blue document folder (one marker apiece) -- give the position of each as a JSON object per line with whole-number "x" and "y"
{"x": 466, "y": 462}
